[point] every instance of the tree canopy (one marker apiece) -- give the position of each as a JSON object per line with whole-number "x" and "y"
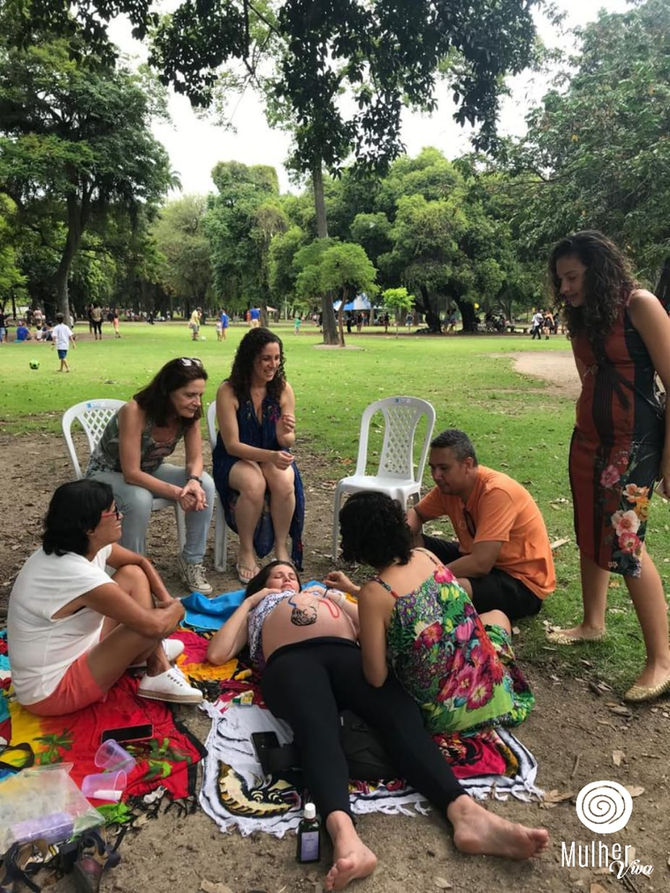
{"x": 75, "y": 143}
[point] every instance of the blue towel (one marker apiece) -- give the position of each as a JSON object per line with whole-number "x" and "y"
{"x": 211, "y": 613}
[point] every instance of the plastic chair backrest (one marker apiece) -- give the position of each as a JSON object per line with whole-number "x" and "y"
{"x": 211, "y": 423}
{"x": 93, "y": 416}
{"x": 401, "y": 418}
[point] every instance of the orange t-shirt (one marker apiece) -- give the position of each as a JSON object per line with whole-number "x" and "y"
{"x": 502, "y": 511}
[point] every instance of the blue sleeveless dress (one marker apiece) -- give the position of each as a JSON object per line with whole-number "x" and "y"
{"x": 262, "y": 435}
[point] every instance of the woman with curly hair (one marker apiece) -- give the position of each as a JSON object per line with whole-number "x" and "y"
{"x": 255, "y": 410}
{"x": 418, "y": 621}
{"x": 130, "y": 458}
{"x": 304, "y": 643}
{"x": 620, "y": 336}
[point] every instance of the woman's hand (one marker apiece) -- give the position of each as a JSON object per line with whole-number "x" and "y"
{"x": 339, "y": 580}
{"x": 192, "y": 497}
{"x": 285, "y": 425}
{"x": 281, "y": 459}
{"x": 258, "y": 597}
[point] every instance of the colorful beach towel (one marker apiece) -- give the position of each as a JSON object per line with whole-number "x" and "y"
{"x": 168, "y": 759}
{"x": 235, "y": 794}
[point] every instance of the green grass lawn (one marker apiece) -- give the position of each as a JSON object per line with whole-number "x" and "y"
{"x": 515, "y": 424}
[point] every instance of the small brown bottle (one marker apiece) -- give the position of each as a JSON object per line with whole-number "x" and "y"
{"x": 309, "y": 836}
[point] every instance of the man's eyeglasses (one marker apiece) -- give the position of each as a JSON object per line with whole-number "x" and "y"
{"x": 470, "y": 523}
{"x": 116, "y": 512}
{"x": 190, "y": 361}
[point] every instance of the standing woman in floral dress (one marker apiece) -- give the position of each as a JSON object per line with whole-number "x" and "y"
{"x": 620, "y": 337}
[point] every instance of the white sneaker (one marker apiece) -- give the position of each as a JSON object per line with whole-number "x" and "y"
{"x": 194, "y": 576}
{"x": 169, "y": 686}
{"x": 172, "y": 648}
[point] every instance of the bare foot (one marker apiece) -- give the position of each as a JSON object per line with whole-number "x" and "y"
{"x": 580, "y": 633}
{"x": 358, "y": 862}
{"x": 351, "y": 858}
{"x": 480, "y": 832}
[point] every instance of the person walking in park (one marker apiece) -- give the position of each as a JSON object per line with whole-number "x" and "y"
{"x": 130, "y": 458}
{"x": 254, "y": 317}
{"x": 194, "y": 324}
{"x": 502, "y": 557}
{"x": 620, "y": 336}
{"x": 61, "y": 338}
{"x": 4, "y": 317}
{"x": 537, "y": 324}
{"x": 225, "y": 322}
{"x": 96, "y": 319}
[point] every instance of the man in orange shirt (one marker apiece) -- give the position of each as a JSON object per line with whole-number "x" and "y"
{"x": 502, "y": 557}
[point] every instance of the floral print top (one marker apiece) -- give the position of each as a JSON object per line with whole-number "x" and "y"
{"x": 442, "y": 655}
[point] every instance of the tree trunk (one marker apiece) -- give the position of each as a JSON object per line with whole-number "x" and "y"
{"x": 75, "y": 218}
{"x": 432, "y": 318}
{"x": 327, "y": 312}
{"x": 340, "y": 316}
{"x": 467, "y": 314}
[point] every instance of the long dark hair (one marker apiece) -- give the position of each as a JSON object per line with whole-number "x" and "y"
{"x": 374, "y": 530}
{"x": 74, "y": 510}
{"x": 608, "y": 283}
{"x": 243, "y": 364}
{"x": 258, "y": 582}
{"x": 154, "y": 399}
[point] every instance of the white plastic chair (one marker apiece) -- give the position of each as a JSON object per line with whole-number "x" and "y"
{"x": 397, "y": 474}
{"x": 220, "y": 526}
{"x": 93, "y": 416}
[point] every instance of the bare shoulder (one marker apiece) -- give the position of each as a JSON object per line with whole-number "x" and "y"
{"x": 226, "y": 394}
{"x": 644, "y": 305}
{"x": 131, "y": 413}
{"x": 640, "y": 296}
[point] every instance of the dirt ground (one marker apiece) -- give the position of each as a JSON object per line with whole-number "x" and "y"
{"x": 578, "y": 732}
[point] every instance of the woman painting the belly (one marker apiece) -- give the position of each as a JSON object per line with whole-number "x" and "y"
{"x": 304, "y": 641}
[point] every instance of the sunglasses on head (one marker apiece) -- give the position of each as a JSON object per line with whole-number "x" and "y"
{"x": 190, "y": 361}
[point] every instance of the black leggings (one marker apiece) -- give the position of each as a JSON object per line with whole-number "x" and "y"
{"x": 308, "y": 683}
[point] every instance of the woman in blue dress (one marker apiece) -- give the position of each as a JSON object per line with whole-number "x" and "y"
{"x": 255, "y": 410}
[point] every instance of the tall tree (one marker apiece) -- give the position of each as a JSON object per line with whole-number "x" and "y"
{"x": 75, "y": 131}
{"x": 240, "y": 224}
{"x": 383, "y": 54}
{"x": 597, "y": 151}
{"x": 185, "y": 269}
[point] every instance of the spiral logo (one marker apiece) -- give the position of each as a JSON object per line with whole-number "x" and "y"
{"x": 604, "y": 806}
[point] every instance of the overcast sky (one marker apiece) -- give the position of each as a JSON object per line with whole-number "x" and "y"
{"x": 196, "y": 145}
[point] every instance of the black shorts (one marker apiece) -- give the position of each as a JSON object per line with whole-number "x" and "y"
{"x": 495, "y": 591}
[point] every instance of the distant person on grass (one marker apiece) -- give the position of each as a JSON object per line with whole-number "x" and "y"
{"x": 22, "y": 331}
{"x": 502, "y": 557}
{"x": 61, "y": 338}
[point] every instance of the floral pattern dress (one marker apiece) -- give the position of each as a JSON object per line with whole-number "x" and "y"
{"x": 462, "y": 675}
{"x": 616, "y": 449}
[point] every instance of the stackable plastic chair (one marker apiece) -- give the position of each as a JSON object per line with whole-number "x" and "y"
{"x": 93, "y": 416}
{"x": 397, "y": 474}
{"x": 220, "y": 526}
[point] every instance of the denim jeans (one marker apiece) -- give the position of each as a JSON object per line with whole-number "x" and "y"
{"x": 135, "y": 503}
